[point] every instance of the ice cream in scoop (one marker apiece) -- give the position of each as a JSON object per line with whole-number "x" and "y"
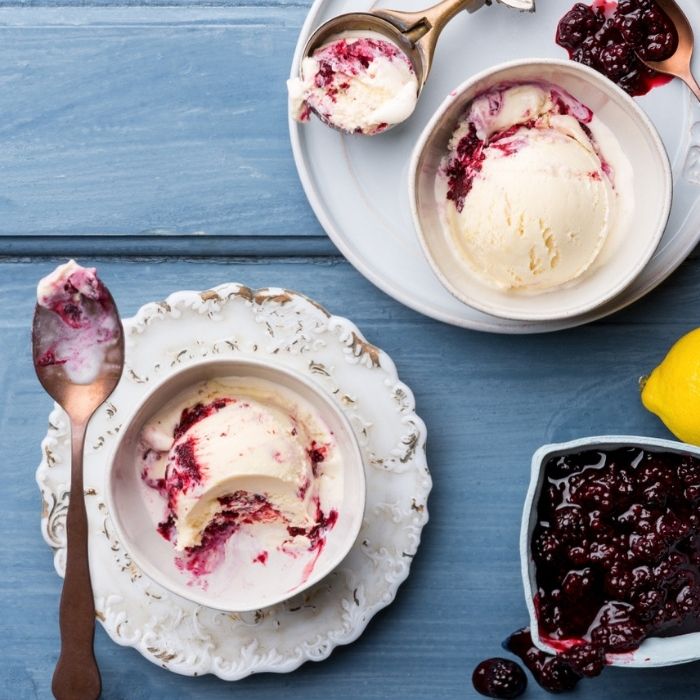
{"x": 530, "y": 197}
{"x": 358, "y": 83}
{"x": 237, "y": 454}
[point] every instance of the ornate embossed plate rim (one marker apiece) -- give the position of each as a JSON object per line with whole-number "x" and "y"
{"x": 365, "y": 354}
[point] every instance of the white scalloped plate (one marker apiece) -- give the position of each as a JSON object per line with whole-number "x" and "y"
{"x": 233, "y": 321}
{"x": 358, "y": 186}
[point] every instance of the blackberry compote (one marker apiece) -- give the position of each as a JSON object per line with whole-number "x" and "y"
{"x": 608, "y": 35}
{"x": 499, "y": 678}
{"x": 617, "y": 549}
{"x": 551, "y": 672}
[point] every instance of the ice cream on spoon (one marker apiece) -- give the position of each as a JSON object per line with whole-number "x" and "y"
{"x": 82, "y": 326}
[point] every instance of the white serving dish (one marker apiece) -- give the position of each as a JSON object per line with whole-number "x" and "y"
{"x": 240, "y": 585}
{"x": 356, "y": 186}
{"x": 628, "y": 247}
{"x": 654, "y": 651}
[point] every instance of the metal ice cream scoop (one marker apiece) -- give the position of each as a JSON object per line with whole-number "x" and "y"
{"x": 416, "y": 33}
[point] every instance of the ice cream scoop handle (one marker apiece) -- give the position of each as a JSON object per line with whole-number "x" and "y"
{"x": 76, "y": 676}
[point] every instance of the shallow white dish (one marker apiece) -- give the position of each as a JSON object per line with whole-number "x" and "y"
{"x": 238, "y": 583}
{"x": 233, "y": 321}
{"x": 654, "y": 651}
{"x": 628, "y": 246}
{"x": 356, "y": 185}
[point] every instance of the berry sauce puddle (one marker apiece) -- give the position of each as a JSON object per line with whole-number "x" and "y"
{"x": 608, "y": 35}
{"x": 616, "y": 551}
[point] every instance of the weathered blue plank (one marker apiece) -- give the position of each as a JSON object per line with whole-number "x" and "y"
{"x": 13, "y": 247}
{"x": 154, "y": 3}
{"x": 488, "y": 402}
{"x": 133, "y": 120}
{"x": 168, "y": 245}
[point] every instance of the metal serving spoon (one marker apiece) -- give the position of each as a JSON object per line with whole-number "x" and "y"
{"x": 416, "y": 33}
{"x": 77, "y": 676}
{"x": 677, "y": 65}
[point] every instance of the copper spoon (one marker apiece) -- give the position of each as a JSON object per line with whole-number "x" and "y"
{"x": 77, "y": 676}
{"x": 416, "y": 33}
{"x": 677, "y": 65}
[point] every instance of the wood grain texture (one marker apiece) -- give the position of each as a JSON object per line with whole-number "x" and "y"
{"x": 131, "y": 120}
{"x": 488, "y": 401}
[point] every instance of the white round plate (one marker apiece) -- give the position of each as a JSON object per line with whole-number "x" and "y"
{"x": 358, "y": 186}
{"x": 233, "y": 321}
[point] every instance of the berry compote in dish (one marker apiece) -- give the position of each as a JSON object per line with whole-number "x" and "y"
{"x": 608, "y": 36}
{"x": 616, "y": 551}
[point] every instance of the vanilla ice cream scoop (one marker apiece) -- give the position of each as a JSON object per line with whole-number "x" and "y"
{"x": 358, "y": 83}
{"x": 227, "y": 458}
{"x": 530, "y": 198}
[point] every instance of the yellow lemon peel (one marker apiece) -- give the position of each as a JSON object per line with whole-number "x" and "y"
{"x": 672, "y": 390}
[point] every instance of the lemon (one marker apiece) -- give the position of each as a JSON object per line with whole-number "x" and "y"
{"x": 672, "y": 390}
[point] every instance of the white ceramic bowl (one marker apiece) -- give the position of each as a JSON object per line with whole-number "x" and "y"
{"x": 654, "y": 651}
{"x": 627, "y": 250}
{"x": 246, "y": 587}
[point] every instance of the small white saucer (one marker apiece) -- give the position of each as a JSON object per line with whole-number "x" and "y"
{"x": 233, "y": 321}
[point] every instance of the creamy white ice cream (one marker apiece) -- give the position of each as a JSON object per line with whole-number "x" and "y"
{"x": 530, "y": 197}
{"x": 241, "y": 453}
{"x": 359, "y": 83}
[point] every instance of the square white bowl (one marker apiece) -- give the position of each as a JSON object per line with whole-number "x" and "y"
{"x": 654, "y": 651}
{"x": 625, "y": 253}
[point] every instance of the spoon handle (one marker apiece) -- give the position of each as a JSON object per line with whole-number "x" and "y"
{"x": 76, "y": 676}
{"x": 690, "y": 81}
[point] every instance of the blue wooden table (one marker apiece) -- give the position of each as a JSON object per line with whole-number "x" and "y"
{"x": 151, "y": 140}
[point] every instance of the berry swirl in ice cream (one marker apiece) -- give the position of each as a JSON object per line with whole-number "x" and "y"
{"x": 236, "y": 457}
{"x": 359, "y": 83}
{"x": 533, "y": 185}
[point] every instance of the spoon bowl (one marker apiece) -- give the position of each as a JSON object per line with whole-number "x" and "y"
{"x": 678, "y": 64}
{"x": 80, "y": 401}
{"x": 78, "y": 353}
